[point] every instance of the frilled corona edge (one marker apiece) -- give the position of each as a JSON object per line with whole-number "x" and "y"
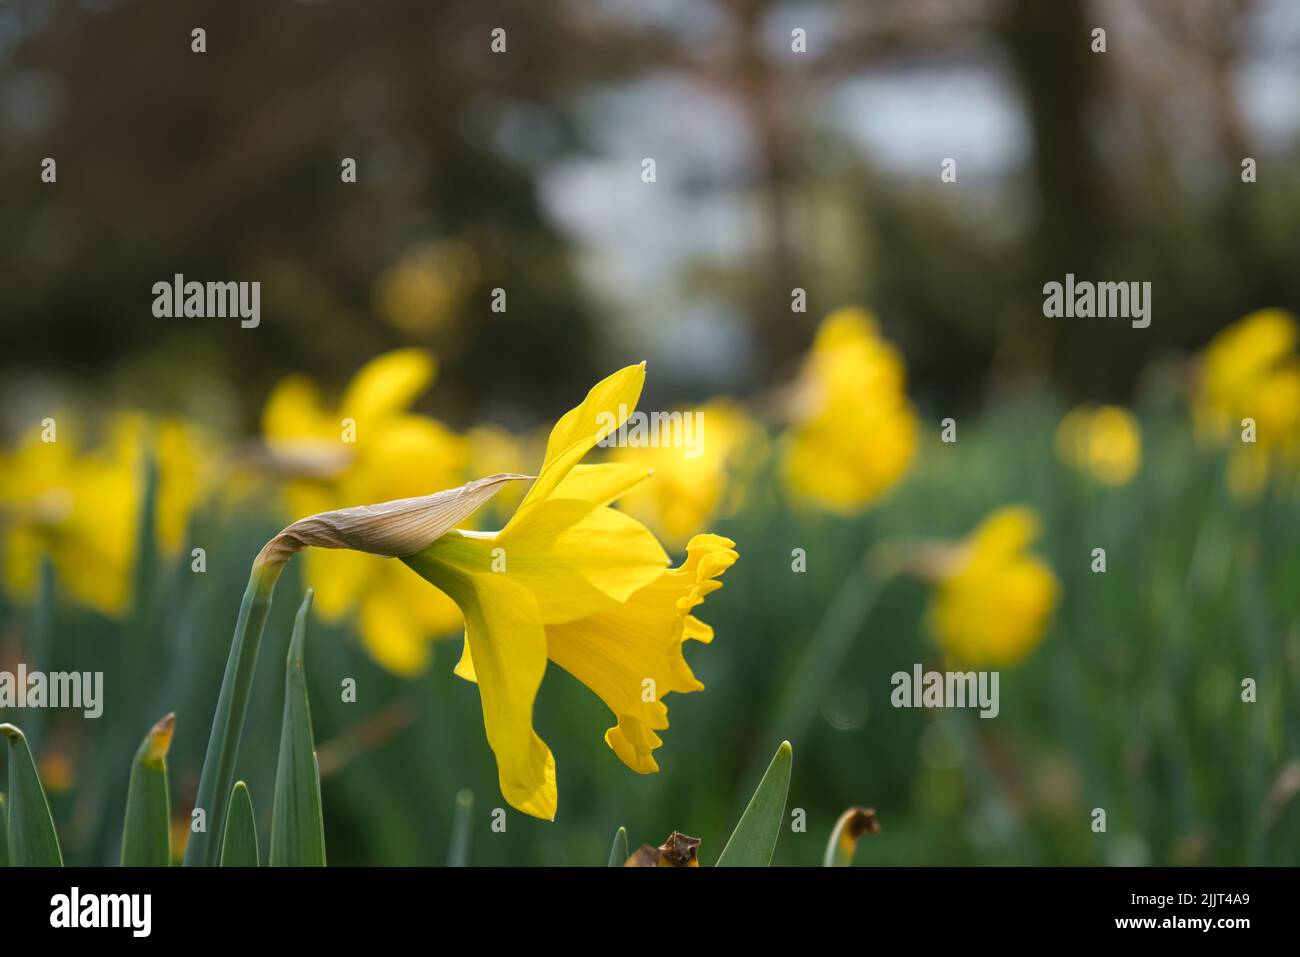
{"x": 393, "y": 529}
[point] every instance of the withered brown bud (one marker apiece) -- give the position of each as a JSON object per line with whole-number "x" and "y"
{"x": 680, "y": 850}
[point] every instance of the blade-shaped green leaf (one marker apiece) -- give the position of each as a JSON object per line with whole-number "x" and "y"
{"x": 146, "y": 835}
{"x": 297, "y": 826}
{"x": 39, "y": 644}
{"x": 218, "y": 777}
{"x": 753, "y": 841}
{"x": 458, "y": 854}
{"x": 33, "y": 841}
{"x": 4, "y": 831}
{"x": 618, "y": 853}
{"x": 145, "y": 573}
{"x": 239, "y": 844}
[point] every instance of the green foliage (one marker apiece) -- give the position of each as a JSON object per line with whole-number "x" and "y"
{"x": 239, "y": 842}
{"x": 33, "y": 841}
{"x": 218, "y": 775}
{"x": 618, "y": 852}
{"x": 4, "y": 831}
{"x": 146, "y": 835}
{"x": 297, "y": 826}
{"x": 461, "y": 829}
{"x": 754, "y": 840}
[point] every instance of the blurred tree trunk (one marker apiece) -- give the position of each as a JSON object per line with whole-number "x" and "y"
{"x": 783, "y": 335}
{"x": 1050, "y": 48}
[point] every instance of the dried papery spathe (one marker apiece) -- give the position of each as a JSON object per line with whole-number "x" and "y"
{"x": 393, "y": 529}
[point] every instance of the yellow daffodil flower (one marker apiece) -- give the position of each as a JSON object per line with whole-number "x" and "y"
{"x": 183, "y": 455}
{"x": 1104, "y": 441}
{"x": 574, "y": 581}
{"x": 369, "y": 449}
{"x": 567, "y": 579}
{"x": 854, "y": 434}
{"x": 992, "y": 601}
{"x": 81, "y": 508}
{"x": 1251, "y": 370}
{"x": 693, "y": 484}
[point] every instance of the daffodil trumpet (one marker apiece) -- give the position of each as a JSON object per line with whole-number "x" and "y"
{"x": 569, "y": 579}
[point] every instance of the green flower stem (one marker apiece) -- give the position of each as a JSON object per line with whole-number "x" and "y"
{"x": 218, "y": 778}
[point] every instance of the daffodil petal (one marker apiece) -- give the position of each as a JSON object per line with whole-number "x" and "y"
{"x": 1005, "y": 532}
{"x": 294, "y": 411}
{"x": 993, "y": 607}
{"x": 504, "y": 630}
{"x": 339, "y": 577}
{"x": 577, "y": 558}
{"x": 386, "y": 385}
{"x": 392, "y": 636}
{"x": 604, "y": 409}
{"x": 602, "y": 483}
{"x": 465, "y": 667}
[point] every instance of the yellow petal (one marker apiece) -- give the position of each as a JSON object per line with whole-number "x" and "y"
{"x": 386, "y": 385}
{"x": 504, "y": 631}
{"x": 577, "y": 558}
{"x": 465, "y": 667}
{"x": 404, "y": 456}
{"x": 603, "y": 483}
{"x": 340, "y": 578}
{"x": 1006, "y": 531}
{"x": 391, "y": 634}
{"x": 294, "y": 412}
{"x": 605, "y": 408}
{"x": 631, "y": 655}
{"x": 994, "y": 606}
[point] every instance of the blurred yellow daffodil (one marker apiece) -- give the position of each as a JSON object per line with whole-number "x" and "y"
{"x": 854, "y": 432}
{"x": 492, "y": 450}
{"x": 572, "y": 580}
{"x": 693, "y": 484}
{"x": 369, "y": 449}
{"x": 1104, "y": 441}
{"x": 992, "y": 600}
{"x": 183, "y": 455}
{"x": 81, "y": 508}
{"x": 1248, "y": 395}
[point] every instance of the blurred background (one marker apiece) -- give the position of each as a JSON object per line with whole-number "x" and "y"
{"x": 776, "y": 170}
